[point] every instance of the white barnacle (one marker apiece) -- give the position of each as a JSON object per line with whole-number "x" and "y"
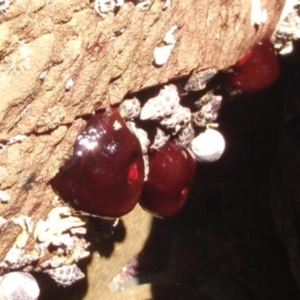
{"x": 4, "y": 5}
{"x": 16, "y": 139}
{"x": 69, "y": 85}
{"x": 4, "y": 196}
{"x": 258, "y": 15}
{"x": 160, "y": 139}
{"x": 161, "y": 106}
{"x": 208, "y": 146}
{"x": 130, "y": 108}
{"x": 20, "y": 59}
{"x": 19, "y": 285}
{"x": 59, "y": 229}
{"x": 180, "y": 118}
{"x": 66, "y": 275}
{"x": 52, "y": 118}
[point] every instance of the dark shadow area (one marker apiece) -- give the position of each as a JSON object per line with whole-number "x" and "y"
{"x": 224, "y": 244}
{"x": 103, "y": 235}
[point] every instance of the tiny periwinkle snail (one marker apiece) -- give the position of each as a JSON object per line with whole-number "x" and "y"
{"x": 171, "y": 174}
{"x": 105, "y": 174}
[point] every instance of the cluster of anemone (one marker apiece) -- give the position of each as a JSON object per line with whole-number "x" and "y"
{"x": 146, "y": 153}
{"x": 115, "y": 164}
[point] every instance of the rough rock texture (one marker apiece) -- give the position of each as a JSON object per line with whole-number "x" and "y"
{"x": 60, "y": 60}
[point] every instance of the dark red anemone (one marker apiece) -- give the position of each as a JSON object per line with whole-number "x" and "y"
{"x": 105, "y": 174}
{"x": 171, "y": 173}
{"x": 258, "y": 69}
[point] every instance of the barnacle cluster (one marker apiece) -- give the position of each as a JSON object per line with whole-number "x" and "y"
{"x": 173, "y": 121}
{"x": 51, "y": 119}
{"x": 61, "y": 232}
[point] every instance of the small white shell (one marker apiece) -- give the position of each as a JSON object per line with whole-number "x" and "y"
{"x": 69, "y": 84}
{"x": 208, "y": 146}
{"x": 4, "y": 196}
{"x": 66, "y": 275}
{"x": 162, "y": 54}
{"x": 19, "y": 285}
